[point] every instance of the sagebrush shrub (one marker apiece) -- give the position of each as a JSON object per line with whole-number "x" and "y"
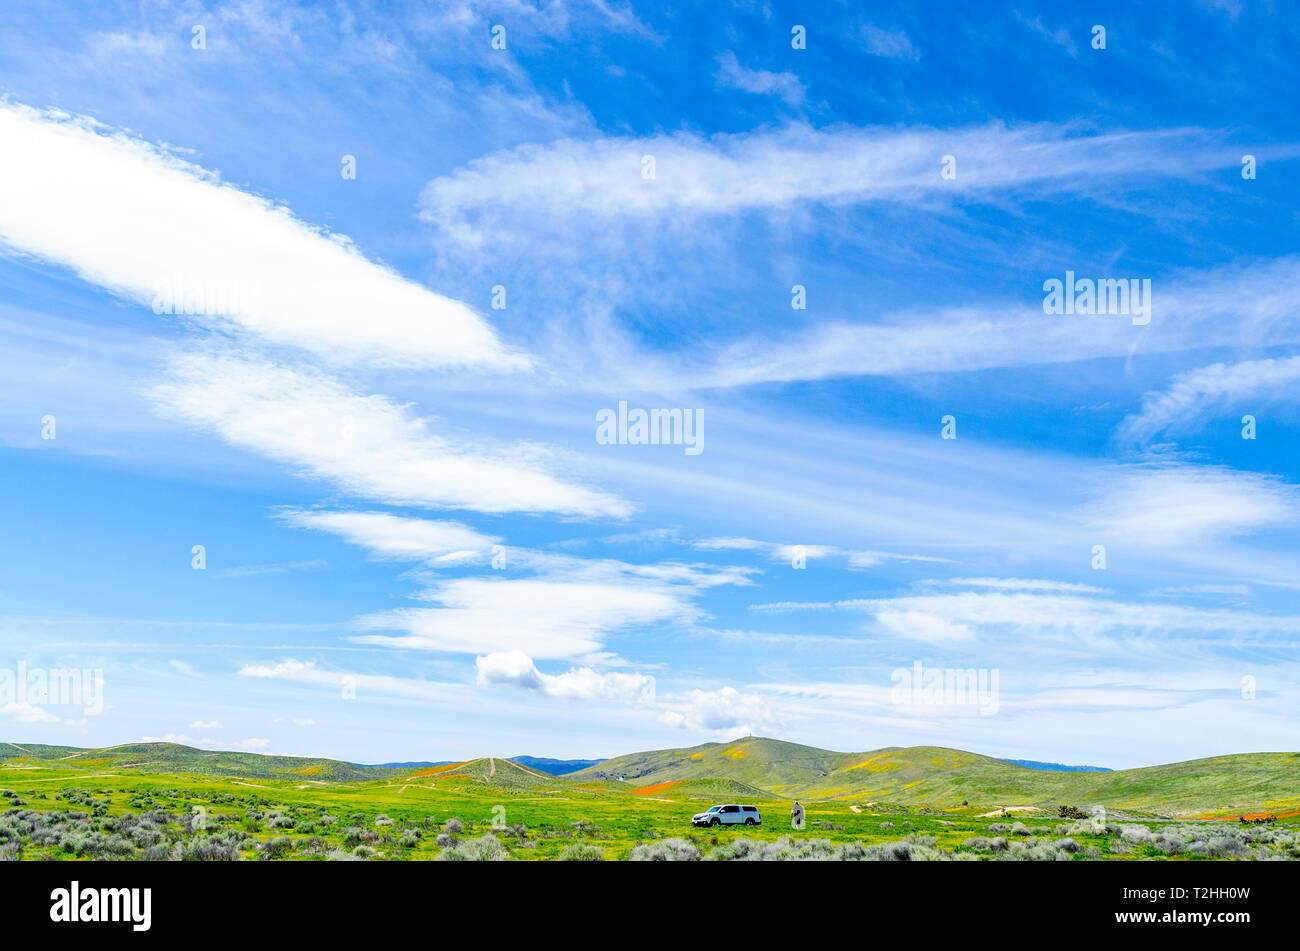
{"x": 667, "y": 850}
{"x": 582, "y": 852}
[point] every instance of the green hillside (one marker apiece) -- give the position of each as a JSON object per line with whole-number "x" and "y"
{"x": 944, "y": 778}
{"x": 175, "y": 758}
{"x": 487, "y": 771}
{"x": 769, "y": 764}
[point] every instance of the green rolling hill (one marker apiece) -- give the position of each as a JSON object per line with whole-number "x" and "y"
{"x": 944, "y": 778}
{"x": 175, "y": 758}
{"x": 769, "y": 764}
{"x": 486, "y": 771}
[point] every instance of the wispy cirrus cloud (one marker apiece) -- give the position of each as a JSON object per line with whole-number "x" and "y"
{"x": 394, "y": 536}
{"x": 785, "y": 85}
{"x": 786, "y": 552}
{"x": 893, "y": 44}
{"x": 1195, "y": 398}
{"x": 1171, "y": 505}
{"x": 1005, "y": 616}
{"x": 770, "y": 169}
{"x": 1193, "y": 310}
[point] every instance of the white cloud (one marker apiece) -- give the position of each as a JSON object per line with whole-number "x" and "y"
{"x": 786, "y": 553}
{"x": 892, "y": 44}
{"x": 206, "y": 725}
{"x": 776, "y": 551}
{"x": 1225, "y": 590}
{"x": 918, "y": 625}
{"x": 1014, "y": 613}
{"x": 142, "y": 45}
{"x": 369, "y": 445}
{"x": 1025, "y": 584}
{"x": 1172, "y": 506}
{"x": 771, "y": 169}
{"x": 725, "y": 710}
{"x": 1061, "y": 37}
{"x": 1193, "y": 399}
{"x": 27, "y": 713}
{"x": 728, "y": 544}
{"x": 868, "y": 559}
{"x": 732, "y": 75}
{"x": 168, "y": 738}
{"x": 393, "y": 536}
{"x": 134, "y": 219}
{"x": 1190, "y": 310}
{"x": 254, "y": 743}
{"x": 277, "y": 568}
{"x": 516, "y": 669}
{"x": 549, "y": 617}
{"x": 306, "y": 672}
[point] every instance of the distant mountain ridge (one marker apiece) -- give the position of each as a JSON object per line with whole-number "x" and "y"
{"x": 556, "y": 767}
{"x": 1058, "y": 767}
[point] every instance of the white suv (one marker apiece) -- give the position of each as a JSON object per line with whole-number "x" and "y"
{"x": 727, "y": 815}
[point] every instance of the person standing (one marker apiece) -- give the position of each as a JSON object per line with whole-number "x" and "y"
{"x": 796, "y": 815}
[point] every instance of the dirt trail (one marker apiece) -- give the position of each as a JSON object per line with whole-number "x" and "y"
{"x": 855, "y": 808}
{"x": 526, "y": 769}
{"x": 492, "y": 767}
{"x": 101, "y": 749}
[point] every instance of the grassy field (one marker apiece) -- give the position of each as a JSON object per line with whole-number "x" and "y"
{"x": 141, "y": 802}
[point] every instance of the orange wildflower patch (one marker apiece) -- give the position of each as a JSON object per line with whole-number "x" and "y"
{"x": 656, "y": 788}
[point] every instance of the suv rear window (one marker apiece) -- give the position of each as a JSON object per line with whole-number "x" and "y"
{"x": 750, "y": 808}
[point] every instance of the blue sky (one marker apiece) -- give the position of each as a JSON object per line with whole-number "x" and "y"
{"x": 415, "y": 547}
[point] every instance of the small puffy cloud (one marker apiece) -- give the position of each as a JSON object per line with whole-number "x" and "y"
{"x": 920, "y": 626}
{"x": 508, "y": 667}
{"x": 724, "y": 710}
{"x": 27, "y": 713}
{"x": 206, "y": 725}
{"x": 516, "y": 669}
{"x": 548, "y": 617}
